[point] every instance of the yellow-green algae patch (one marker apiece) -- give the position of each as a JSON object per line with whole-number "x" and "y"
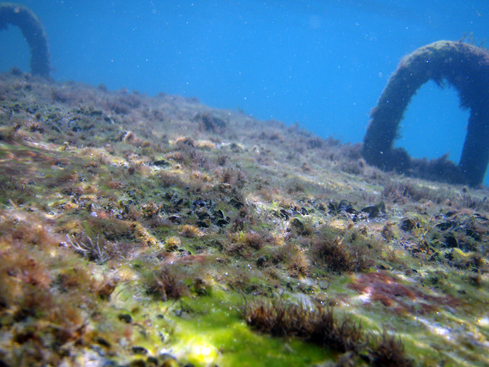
{"x": 215, "y": 333}
{"x": 208, "y": 330}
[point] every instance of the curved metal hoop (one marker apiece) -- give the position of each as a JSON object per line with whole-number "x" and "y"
{"x": 462, "y": 65}
{"x": 33, "y": 31}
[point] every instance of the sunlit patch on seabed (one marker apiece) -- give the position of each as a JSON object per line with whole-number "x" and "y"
{"x": 198, "y": 351}
{"x": 435, "y": 328}
{"x": 483, "y": 321}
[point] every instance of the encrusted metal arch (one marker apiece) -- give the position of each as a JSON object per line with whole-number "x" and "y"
{"x": 33, "y": 31}
{"x": 462, "y": 65}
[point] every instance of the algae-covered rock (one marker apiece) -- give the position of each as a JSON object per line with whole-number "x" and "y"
{"x": 132, "y": 239}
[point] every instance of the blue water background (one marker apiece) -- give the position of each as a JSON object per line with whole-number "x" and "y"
{"x": 322, "y": 64}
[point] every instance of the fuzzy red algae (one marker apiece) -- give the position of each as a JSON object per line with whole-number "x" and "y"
{"x": 401, "y": 298}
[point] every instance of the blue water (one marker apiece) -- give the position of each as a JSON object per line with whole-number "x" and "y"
{"x": 323, "y": 64}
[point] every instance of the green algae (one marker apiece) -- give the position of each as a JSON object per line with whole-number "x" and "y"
{"x": 218, "y": 334}
{"x": 209, "y": 330}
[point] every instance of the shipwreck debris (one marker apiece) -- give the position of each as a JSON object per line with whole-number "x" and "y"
{"x": 33, "y": 31}
{"x": 462, "y": 65}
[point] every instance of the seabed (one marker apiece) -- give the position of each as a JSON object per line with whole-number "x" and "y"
{"x": 157, "y": 231}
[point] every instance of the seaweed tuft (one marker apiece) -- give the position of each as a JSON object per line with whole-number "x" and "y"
{"x": 388, "y": 351}
{"x": 317, "y": 324}
{"x": 168, "y": 283}
{"x": 338, "y": 257}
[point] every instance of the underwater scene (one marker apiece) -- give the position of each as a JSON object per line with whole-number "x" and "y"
{"x": 244, "y": 183}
